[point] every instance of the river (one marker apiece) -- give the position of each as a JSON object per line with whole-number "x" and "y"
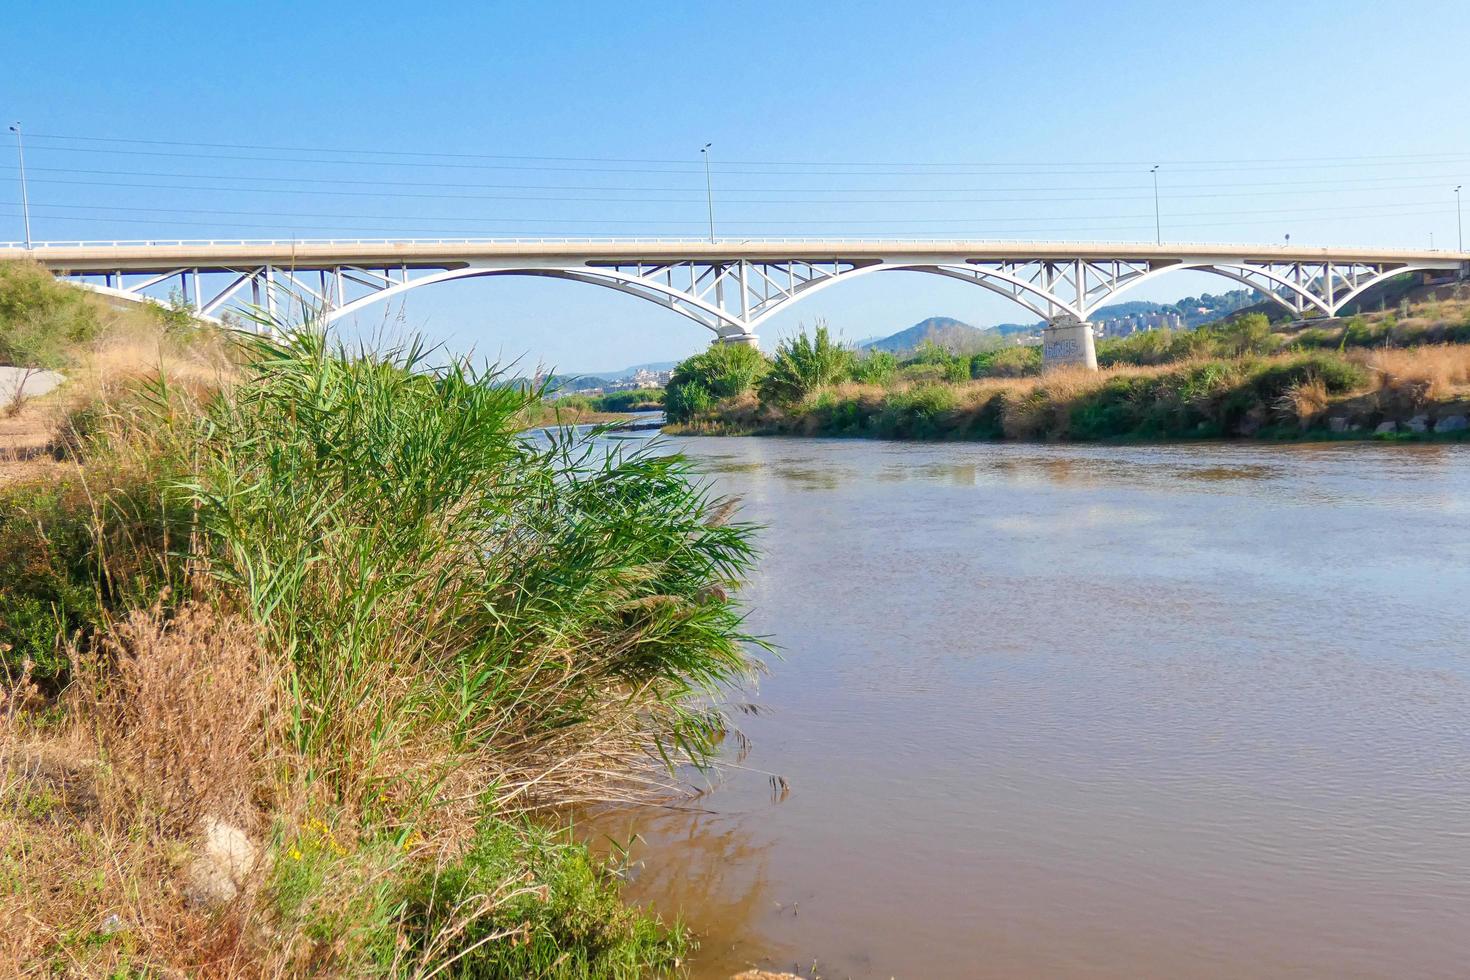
{"x": 1182, "y": 711}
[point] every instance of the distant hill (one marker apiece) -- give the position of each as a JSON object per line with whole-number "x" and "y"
{"x": 942, "y": 330}
{"x": 956, "y": 335}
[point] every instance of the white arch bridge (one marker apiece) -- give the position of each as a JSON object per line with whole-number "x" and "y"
{"x": 726, "y": 287}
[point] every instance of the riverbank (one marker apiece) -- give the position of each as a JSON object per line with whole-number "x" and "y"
{"x": 1411, "y": 395}
{"x": 1238, "y": 380}
{"x": 306, "y": 652}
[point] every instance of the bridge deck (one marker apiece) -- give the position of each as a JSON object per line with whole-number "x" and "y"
{"x": 149, "y": 256}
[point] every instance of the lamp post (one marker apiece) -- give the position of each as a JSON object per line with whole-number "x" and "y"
{"x": 1158, "y": 229}
{"x": 25, "y": 199}
{"x": 709, "y": 193}
{"x": 1459, "y": 220}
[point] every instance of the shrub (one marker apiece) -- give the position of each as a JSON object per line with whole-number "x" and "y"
{"x": 803, "y": 365}
{"x": 71, "y": 556}
{"x": 42, "y": 321}
{"x": 1008, "y": 362}
{"x": 876, "y": 367}
{"x": 917, "y": 412}
{"x": 1249, "y": 333}
{"x": 637, "y": 400}
{"x": 1143, "y": 348}
{"x": 720, "y": 372}
{"x": 559, "y": 911}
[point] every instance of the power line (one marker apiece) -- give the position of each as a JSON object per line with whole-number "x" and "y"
{"x": 429, "y": 217}
{"x": 1003, "y": 194}
{"x": 1030, "y": 171}
{"x": 1335, "y": 158}
{"x": 1073, "y": 220}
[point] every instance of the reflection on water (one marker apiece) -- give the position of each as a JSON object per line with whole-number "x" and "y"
{"x": 1184, "y": 711}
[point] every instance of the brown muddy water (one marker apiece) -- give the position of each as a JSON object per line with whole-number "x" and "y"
{"x": 1186, "y": 711}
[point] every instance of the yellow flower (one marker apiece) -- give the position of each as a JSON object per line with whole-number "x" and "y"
{"x": 294, "y": 853}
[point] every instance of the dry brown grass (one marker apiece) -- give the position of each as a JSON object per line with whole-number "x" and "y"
{"x": 1413, "y": 377}
{"x": 99, "y": 812}
{"x": 1304, "y": 402}
{"x": 185, "y": 717}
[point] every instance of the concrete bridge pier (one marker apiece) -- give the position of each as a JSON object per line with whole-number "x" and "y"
{"x": 1068, "y": 342}
{"x": 734, "y": 335}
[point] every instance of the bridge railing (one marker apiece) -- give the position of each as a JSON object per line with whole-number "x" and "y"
{"x": 208, "y": 242}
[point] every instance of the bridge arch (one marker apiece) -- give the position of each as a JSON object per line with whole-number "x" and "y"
{"x": 1251, "y": 274}
{"x": 610, "y": 279}
{"x": 709, "y": 315}
{"x": 1010, "y": 286}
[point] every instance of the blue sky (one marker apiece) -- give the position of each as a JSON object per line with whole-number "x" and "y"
{"x": 1337, "y": 122}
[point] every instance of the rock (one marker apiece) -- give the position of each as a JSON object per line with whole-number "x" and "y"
{"x": 1338, "y": 423}
{"x": 207, "y": 885}
{"x": 1419, "y": 423}
{"x": 215, "y": 877}
{"x": 1385, "y": 428}
{"x": 1452, "y": 423}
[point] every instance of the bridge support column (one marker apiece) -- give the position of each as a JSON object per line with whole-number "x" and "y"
{"x": 1068, "y": 342}
{"x": 733, "y": 335}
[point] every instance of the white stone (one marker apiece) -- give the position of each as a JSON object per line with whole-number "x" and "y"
{"x": 1338, "y": 423}
{"x": 215, "y": 877}
{"x": 1384, "y": 428}
{"x": 1419, "y": 423}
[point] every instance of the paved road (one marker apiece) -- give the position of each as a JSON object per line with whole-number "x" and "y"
{"x": 38, "y": 383}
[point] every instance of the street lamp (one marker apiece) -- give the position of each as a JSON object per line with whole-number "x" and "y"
{"x": 1459, "y": 220}
{"x": 25, "y": 199}
{"x": 709, "y": 193}
{"x": 1158, "y": 229}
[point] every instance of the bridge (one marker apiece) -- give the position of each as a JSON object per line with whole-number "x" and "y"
{"x": 728, "y": 287}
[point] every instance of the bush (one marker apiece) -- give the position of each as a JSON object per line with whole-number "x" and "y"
{"x": 720, "y": 372}
{"x": 637, "y": 400}
{"x": 1008, "y": 362}
{"x": 561, "y": 909}
{"x": 918, "y": 412}
{"x": 1249, "y": 333}
{"x": 42, "y": 321}
{"x": 71, "y": 556}
{"x": 875, "y": 367}
{"x": 1143, "y": 348}
{"x": 803, "y": 365}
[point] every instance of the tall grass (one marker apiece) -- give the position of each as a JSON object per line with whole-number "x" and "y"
{"x": 391, "y": 627}
{"x": 392, "y": 532}
{"x": 805, "y": 364}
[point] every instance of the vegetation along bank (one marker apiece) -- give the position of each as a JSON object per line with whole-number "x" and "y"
{"x": 1402, "y": 375}
{"x": 306, "y": 651}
